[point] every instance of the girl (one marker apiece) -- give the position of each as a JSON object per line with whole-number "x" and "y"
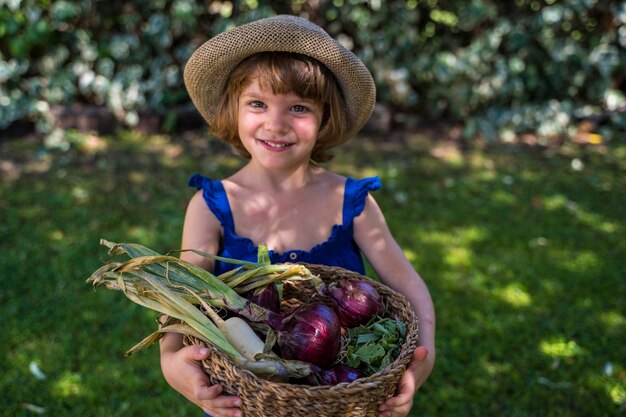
{"x": 281, "y": 92}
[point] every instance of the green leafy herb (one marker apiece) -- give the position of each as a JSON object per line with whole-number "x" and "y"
{"x": 373, "y": 346}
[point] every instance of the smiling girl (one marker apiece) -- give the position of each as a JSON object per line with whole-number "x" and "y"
{"x": 282, "y": 92}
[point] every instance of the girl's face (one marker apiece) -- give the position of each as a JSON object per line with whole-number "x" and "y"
{"x": 278, "y": 130}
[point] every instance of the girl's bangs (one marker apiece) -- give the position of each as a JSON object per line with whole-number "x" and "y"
{"x": 282, "y": 74}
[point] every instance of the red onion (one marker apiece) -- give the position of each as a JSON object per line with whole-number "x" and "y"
{"x": 267, "y": 297}
{"x": 332, "y": 376}
{"x": 355, "y": 301}
{"x": 338, "y": 374}
{"x": 311, "y": 334}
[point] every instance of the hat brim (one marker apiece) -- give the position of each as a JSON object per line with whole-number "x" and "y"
{"x": 207, "y": 71}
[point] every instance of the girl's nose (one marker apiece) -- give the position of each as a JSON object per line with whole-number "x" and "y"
{"x": 276, "y": 122}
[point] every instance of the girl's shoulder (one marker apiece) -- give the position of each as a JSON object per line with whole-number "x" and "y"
{"x": 330, "y": 178}
{"x": 357, "y": 188}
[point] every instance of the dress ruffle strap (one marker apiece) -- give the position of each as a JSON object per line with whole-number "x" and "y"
{"x": 355, "y": 196}
{"x": 215, "y": 197}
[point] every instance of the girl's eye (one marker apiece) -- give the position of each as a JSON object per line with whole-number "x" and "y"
{"x": 257, "y": 104}
{"x": 298, "y": 108}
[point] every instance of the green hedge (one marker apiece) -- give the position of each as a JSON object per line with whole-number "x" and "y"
{"x": 497, "y": 68}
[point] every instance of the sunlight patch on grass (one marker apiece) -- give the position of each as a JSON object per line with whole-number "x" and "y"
{"x": 418, "y": 142}
{"x": 346, "y": 168}
{"x": 368, "y": 172}
{"x": 80, "y": 194}
{"x": 70, "y": 384}
{"x": 157, "y": 142}
{"x": 560, "y": 202}
{"x": 56, "y": 235}
{"x": 487, "y": 175}
{"x": 460, "y": 235}
{"x": 613, "y": 320}
{"x": 448, "y": 152}
{"x": 458, "y": 257}
{"x": 592, "y": 219}
{"x": 515, "y": 294}
{"x": 617, "y": 393}
{"x": 503, "y": 197}
{"x": 485, "y": 165}
{"x": 560, "y": 348}
{"x": 556, "y": 202}
{"x": 581, "y": 261}
{"x": 551, "y": 287}
{"x": 230, "y": 162}
{"x": 472, "y": 234}
{"x": 605, "y": 226}
{"x": 612, "y": 381}
{"x": 141, "y": 234}
{"x": 410, "y": 255}
{"x": 458, "y": 251}
{"x": 496, "y": 369}
{"x": 137, "y": 177}
{"x": 87, "y": 143}
{"x": 162, "y": 145}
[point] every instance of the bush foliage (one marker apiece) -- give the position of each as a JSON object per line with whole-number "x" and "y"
{"x": 497, "y": 68}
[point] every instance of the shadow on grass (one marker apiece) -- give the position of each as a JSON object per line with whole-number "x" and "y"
{"x": 522, "y": 250}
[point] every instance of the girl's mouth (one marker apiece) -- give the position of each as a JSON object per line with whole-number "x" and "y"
{"x": 274, "y": 145}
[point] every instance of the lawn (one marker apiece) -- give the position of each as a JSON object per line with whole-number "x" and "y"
{"x": 523, "y": 249}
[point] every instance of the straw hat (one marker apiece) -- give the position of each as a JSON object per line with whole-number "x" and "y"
{"x": 209, "y": 67}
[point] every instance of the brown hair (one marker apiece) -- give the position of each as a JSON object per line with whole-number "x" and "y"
{"x": 282, "y": 73}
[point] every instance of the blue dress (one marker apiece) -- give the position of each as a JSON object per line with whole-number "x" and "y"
{"x": 339, "y": 250}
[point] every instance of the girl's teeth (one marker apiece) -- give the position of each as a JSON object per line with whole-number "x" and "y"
{"x": 276, "y": 145}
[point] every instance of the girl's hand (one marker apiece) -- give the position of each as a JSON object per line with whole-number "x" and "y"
{"x": 420, "y": 367}
{"x": 183, "y": 372}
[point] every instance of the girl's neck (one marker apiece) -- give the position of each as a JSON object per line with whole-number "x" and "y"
{"x": 254, "y": 175}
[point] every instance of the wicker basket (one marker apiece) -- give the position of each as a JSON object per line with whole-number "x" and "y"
{"x": 263, "y": 398}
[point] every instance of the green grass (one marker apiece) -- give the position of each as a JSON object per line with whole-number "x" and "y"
{"x": 523, "y": 250}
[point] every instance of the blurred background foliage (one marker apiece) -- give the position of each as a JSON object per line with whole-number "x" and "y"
{"x": 497, "y": 69}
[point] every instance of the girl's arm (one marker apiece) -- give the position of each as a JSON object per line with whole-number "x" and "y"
{"x": 394, "y": 269}
{"x": 201, "y": 231}
{"x": 179, "y": 364}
